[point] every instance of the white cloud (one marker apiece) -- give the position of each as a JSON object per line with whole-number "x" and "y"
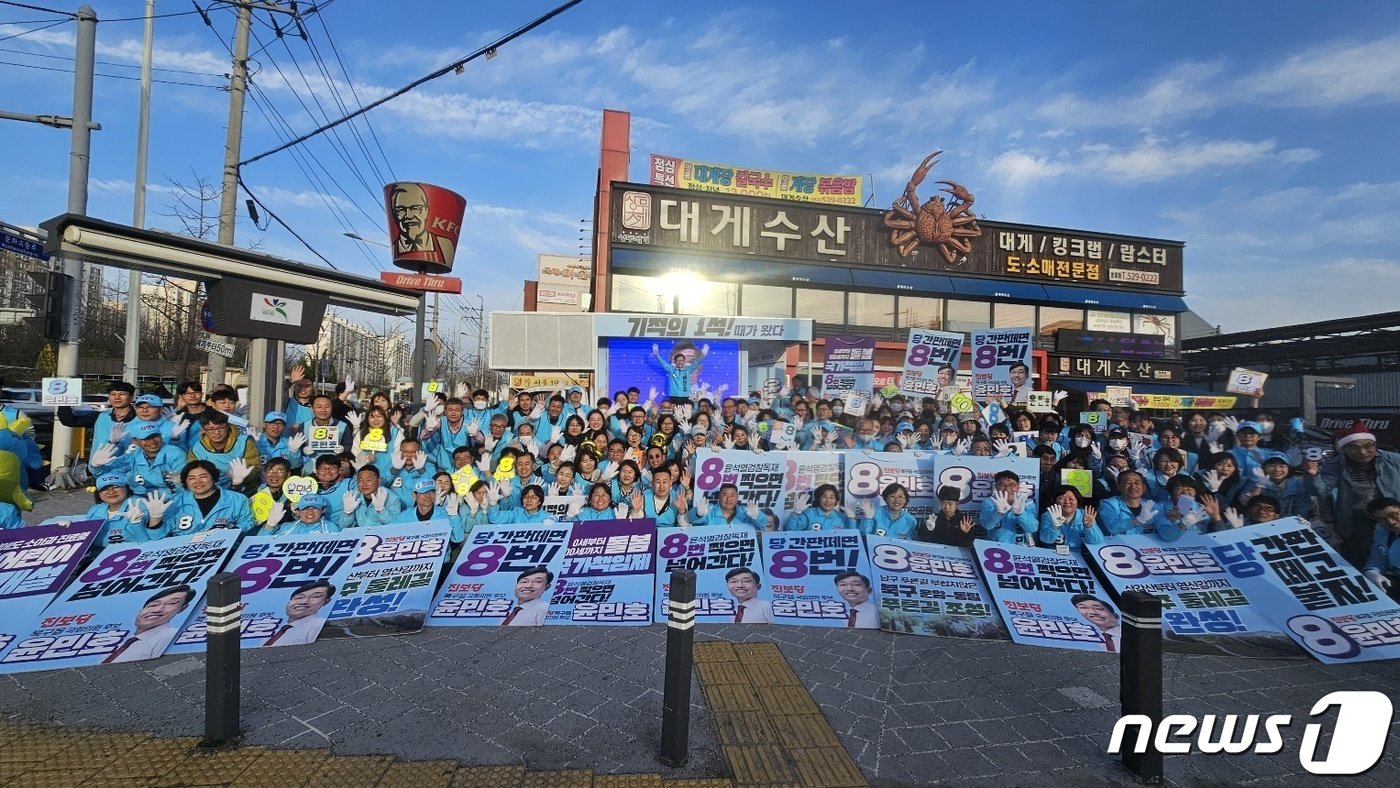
{"x": 1017, "y": 168}
{"x": 1331, "y": 75}
{"x": 1154, "y": 160}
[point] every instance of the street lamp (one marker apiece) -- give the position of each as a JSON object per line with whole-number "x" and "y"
{"x": 358, "y": 237}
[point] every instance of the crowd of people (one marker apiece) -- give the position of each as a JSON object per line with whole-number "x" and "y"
{"x": 327, "y": 461}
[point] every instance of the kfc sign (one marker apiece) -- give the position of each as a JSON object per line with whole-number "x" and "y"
{"x": 424, "y": 224}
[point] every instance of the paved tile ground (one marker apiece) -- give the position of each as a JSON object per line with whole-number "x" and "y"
{"x": 909, "y": 710}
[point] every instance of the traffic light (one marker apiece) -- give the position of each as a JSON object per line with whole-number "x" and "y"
{"x": 51, "y": 304}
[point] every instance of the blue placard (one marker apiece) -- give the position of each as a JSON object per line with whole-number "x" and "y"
{"x": 1048, "y": 598}
{"x": 18, "y": 244}
{"x": 820, "y": 579}
{"x": 728, "y": 573}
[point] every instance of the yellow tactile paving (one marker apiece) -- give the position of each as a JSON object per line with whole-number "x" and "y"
{"x": 760, "y": 764}
{"x": 150, "y": 759}
{"x": 574, "y": 778}
{"x": 488, "y": 777}
{"x": 419, "y": 774}
{"x": 282, "y": 769}
{"x": 722, "y": 672}
{"x": 626, "y": 781}
{"x": 715, "y": 651}
{"x": 350, "y": 771}
{"x": 210, "y": 768}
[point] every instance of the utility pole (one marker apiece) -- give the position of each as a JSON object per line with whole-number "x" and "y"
{"x": 132, "y": 352}
{"x": 480, "y": 342}
{"x": 79, "y": 153}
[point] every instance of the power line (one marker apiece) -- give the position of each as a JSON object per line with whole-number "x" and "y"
{"x": 349, "y": 80}
{"x": 37, "y": 29}
{"x": 68, "y": 15}
{"x": 489, "y": 48}
{"x": 68, "y": 58}
{"x": 285, "y": 226}
{"x": 110, "y": 76}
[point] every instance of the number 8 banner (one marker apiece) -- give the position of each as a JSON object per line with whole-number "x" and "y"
{"x": 930, "y": 363}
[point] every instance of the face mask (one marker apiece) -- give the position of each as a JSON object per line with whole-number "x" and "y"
{"x": 1117, "y": 443}
{"x": 479, "y": 404}
{"x": 837, "y": 411}
{"x": 1266, "y": 427}
{"x": 1082, "y": 442}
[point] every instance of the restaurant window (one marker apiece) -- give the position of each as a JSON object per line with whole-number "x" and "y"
{"x": 767, "y": 301}
{"x": 917, "y": 312}
{"x": 1054, "y": 318}
{"x": 638, "y": 294}
{"x": 871, "y": 309}
{"x": 968, "y": 316}
{"x": 709, "y": 298}
{"x": 1013, "y": 315}
{"x": 822, "y": 306}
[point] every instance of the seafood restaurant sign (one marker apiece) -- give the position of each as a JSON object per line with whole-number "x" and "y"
{"x": 926, "y": 230}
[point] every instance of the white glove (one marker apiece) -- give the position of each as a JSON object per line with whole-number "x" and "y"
{"x": 1096, "y": 451}
{"x": 178, "y": 425}
{"x": 704, "y": 350}
{"x": 1058, "y": 397}
{"x": 620, "y": 511}
{"x": 702, "y": 506}
{"x": 484, "y": 464}
{"x": 103, "y": 455}
{"x": 117, "y": 432}
{"x": 1215, "y": 447}
{"x": 276, "y": 512}
{"x": 252, "y": 432}
{"x": 1260, "y": 478}
{"x": 238, "y": 470}
{"x": 493, "y": 494}
{"x": 489, "y": 442}
{"x": 397, "y": 461}
{"x": 355, "y": 419}
{"x": 172, "y": 479}
{"x": 798, "y": 421}
{"x": 1215, "y": 431}
{"x": 529, "y": 444}
{"x": 751, "y": 509}
{"x": 133, "y": 511}
{"x": 1231, "y": 423}
{"x": 1212, "y": 480}
{"x": 504, "y": 488}
{"x": 656, "y": 350}
{"x": 557, "y": 435}
{"x": 417, "y": 418}
{"x": 568, "y": 454}
{"x": 684, "y": 412}
{"x": 1002, "y": 501}
{"x": 1002, "y": 448}
{"x": 907, "y": 441}
{"x": 350, "y": 501}
{"x": 728, "y": 442}
{"x": 1193, "y": 516}
{"x": 1018, "y": 506}
{"x": 651, "y": 397}
{"x": 931, "y": 522}
{"x": 473, "y": 505}
{"x": 574, "y": 508}
{"x": 380, "y": 499}
{"x": 801, "y": 503}
{"x": 297, "y": 441}
{"x": 361, "y": 460}
{"x": 436, "y": 408}
{"x": 962, "y": 447}
{"x": 611, "y": 472}
{"x": 1057, "y": 515}
{"x": 1148, "y": 510}
{"x": 420, "y": 461}
{"x": 453, "y": 504}
{"x": 156, "y": 503}
{"x": 1234, "y": 518}
{"x": 1381, "y": 581}
{"x": 867, "y": 510}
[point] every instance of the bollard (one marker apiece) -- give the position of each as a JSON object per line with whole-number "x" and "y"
{"x": 223, "y": 612}
{"x": 1140, "y": 677}
{"x": 680, "y": 662}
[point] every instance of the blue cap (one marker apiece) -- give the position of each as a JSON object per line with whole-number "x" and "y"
{"x": 313, "y": 499}
{"x": 149, "y": 399}
{"x": 111, "y": 480}
{"x": 1275, "y": 456}
{"x": 275, "y": 415}
{"x": 145, "y": 429}
{"x": 1249, "y": 425}
{"x": 425, "y": 486}
{"x": 904, "y": 426}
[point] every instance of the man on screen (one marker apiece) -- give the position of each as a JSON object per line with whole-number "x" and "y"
{"x": 303, "y": 623}
{"x": 682, "y": 371}
{"x": 1101, "y": 615}
{"x": 153, "y": 628}
{"x": 743, "y": 586}
{"x": 530, "y": 604}
{"x": 854, "y": 588}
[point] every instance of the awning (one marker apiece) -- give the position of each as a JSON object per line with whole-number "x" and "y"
{"x": 1118, "y": 299}
{"x": 904, "y": 280}
{"x": 1173, "y": 396}
{"x": 998, "y": 288}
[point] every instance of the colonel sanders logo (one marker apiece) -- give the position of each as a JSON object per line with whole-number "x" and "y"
{"x": 424, "y": 223}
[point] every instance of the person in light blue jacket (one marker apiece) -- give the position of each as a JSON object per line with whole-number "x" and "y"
{"x": 599, "y": 507}
{"x": 203, "y": 505}
{"x": 310, "y": 518}
{"x": 1007, "y": 515}
{"x": 125, "y": 517}
{"x": 1130, "y": 512}
{"x": 274, "y": 442}
{"x": 426, "y": 507}
{"x": 665, "y": 502}
{"x": 1183, "y": 513}
{"x": 825, "y": 516}
{"x": 890, "y": 518}
{"x": 728, "y": 511}
{"x": 681, "y": 372}
{"x": 369, "y": 504}
{"x": 1275, "y": 478}
{"x": 1383, "y": 564}
{"x": 149, "y": 465}
{"x": 1067, "y": 521}
{"x": 530, "y": 510}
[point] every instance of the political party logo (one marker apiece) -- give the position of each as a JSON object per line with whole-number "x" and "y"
{"x": 275, "y": 309}
{"x": 1357, "y": 742}
{"x": 425, "y": 222}
{"x": 950, "y": 225}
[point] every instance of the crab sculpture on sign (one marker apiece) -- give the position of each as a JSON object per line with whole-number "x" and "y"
{"x": 950, "y": 225}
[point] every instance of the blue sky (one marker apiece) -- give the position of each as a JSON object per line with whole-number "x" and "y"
{"x": 1261, "y": 134}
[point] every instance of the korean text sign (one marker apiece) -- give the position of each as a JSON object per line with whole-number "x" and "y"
{"x": 998, "y": 355}
{"x": 1048, "y": 599}
{"x": 389, "y": 585}
{"x": 849, "y": 365}
{"x": 608, "y": 574}
{"x": 729, "y": 583}
{"x": 35, "y": 562}
{"x": 772, "y": 479}
{"x": 127, "y": 605}
{"x": 820, "y": 579}
{"x": 504, "y": 577}
{"x": 932, "y": 589}
{"x": 930, "y": 363}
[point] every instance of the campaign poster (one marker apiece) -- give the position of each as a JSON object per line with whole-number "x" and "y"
{"x": 976, "y": 478}
{"x": 772, "y": 479}
{"x": 729, "y": 583}
{"x": 930, "y": 363}
{"x": 849, "y": 365}
{"x": 608, "y": 574}
{"x": 932, "y": 589}
{"x": 558, "y": 506}
{"x": 632, "y": 363}
{"x": 504, "y": 577}
{"x": 820, "y": 579}
{"x": 127, "y": 605}
{"x": 869, "y": 473}
{"x": 1049, "y": 599}
{"x": 287, "y": 583}
{"x": 1203, "y": 608}
{"x": 1310, "y": 592}
{"x": 35, "y": 562}
{"x": 388, "y": 587}
{"x": 1001, "y": 360}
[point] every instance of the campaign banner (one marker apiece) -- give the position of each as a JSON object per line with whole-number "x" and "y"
{"x": 558, "y": 505}
{"x": 286, "y": 582}
{"x": 1203, "y": 607}
{"x": 504, "y": 577}
{"x": 772, "y": 479}
{"x": 848, "y": 365}
{"x": 1049, "y": 599}
{"x": 976, "y": 478}
{"x": 1001, "y": 360}
{"x": 869, "y": 473}
{"x": 388, "y": 587}
{"x": 1311, "y": 593}
{"x": 729, "y": 584}
{"x": 35, "y": 562}
{"x": 820, "y": 579}
{"x": 932, "y": 589}
{"x": 930, "y": 363}
{"x": 774, "y": 184}
{"x": 127, "y": 605}
{"x": 607, "y": 575}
